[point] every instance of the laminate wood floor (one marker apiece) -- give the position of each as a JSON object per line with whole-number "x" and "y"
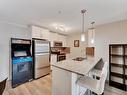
{"x": 42, "y": 86}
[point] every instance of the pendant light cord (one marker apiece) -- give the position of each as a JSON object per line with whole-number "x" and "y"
{"x": 83, "y": 23}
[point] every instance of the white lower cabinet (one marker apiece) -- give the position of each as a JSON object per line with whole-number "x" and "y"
{"x": 53, "y": 59}
{"x": 67, "y": 56}
{"x": 64, "y": 82}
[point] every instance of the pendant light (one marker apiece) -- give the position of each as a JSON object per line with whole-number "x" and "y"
{"x": 92, "y": 33}
{"x": 83, "y": 27}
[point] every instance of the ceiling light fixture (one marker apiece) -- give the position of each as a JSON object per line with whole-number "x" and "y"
{"x": 60, "y": 28}
{"x": 83, "y": 27}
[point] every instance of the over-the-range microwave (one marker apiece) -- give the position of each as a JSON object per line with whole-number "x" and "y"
{"x": 58, "y": 44}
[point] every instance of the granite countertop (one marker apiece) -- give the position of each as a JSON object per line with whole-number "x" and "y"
{"x": 78, "y": 67}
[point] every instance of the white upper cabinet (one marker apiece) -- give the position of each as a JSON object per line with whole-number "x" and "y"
{"x": 62, "y": 38}
{"x": 53, "y": 37}
{"x": 36, "y": 32}
{"x": 45, "y": 34}
{"x": 40, "y": 33}
{"x": 57, "y": 37}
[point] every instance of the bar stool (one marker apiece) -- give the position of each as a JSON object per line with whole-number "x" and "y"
{"x": 96, "y": 71}
{"x": 96, "y": 86}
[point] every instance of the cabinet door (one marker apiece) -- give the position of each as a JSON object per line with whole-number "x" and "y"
{"x": 64, "y": 41}
{"x": 41, "y": 33}
{"x": 62, "y": 38}
{"x": 67, "y": 56}
{"x": 53, "y": 37}
{"x": 36, "y": 32}
{"x": 44, "y": 34}
{"x": 53, "y": 58}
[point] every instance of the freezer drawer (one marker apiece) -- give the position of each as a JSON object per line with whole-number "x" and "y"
{"x": 41, "y": 72}
{"x": 42, "y": 60}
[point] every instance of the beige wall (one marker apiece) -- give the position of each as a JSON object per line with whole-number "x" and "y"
{"x": 6, "y": 32}
{"x": 76, "y": 51}
{"x": 113, "y": 33}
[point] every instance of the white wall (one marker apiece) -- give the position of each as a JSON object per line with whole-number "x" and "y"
{"x": 76, "y": 51}
{"x": 6, "y": 32}
{"x": 113, "y": 33}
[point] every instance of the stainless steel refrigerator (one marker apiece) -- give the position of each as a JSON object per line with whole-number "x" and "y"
{"x": 41, "y": 57}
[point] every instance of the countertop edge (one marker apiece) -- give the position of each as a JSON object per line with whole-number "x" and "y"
{"x": 68, "y": 70}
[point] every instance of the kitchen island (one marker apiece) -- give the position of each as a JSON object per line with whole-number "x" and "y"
{"x": 65, "y": 74}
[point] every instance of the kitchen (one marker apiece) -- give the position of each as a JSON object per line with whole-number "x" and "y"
{"x": 58, "y": 42}
{"x": 50, "y": 48}
{"x": 41, "y": 42}
{"x": 27, "y": 65}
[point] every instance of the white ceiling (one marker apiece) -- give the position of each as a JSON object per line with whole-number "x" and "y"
{"x": 45, "y": 12}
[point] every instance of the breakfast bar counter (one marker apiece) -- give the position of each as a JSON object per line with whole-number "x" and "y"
{"x": 65, "y": 74}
